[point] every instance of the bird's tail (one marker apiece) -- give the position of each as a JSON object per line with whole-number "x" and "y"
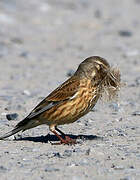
{"x": 10, "y": 133}
{"x": 22, "y": 126}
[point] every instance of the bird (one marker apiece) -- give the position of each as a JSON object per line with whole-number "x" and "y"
{"x": 73, "y": 99}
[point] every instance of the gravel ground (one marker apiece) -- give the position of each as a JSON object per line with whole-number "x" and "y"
{"x": 41, "y": 43}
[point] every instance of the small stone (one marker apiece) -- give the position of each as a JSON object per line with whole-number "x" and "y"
{"x": 12, "y": 116}
{"x": 51, "y": 169}
{"x": 6, "y": 152}
{"x": 98, "y": 13}
{"x": 83, "y": 162}
{"x": 113, "y": 166}
{"x": 67, "y": 153}
{"x": 3, "y": 49}
{"x": 87, "y": 151}
{"x": 125, "y": 33}
{"x": 11, "y": 138}
{"x": 2, "y": 169}
{"x": 131, "y": 167}
{"x": 17, "y": 40}
{"x": 117, "y": 167}
{"x": 114, "y": 106}
{"x": 71, "y": 164}
{"x": 119, "y": 119}
{"x": 57, "y": 154}
{"x": 108, "y": 158}
{"x": 26, "y": 92}
{"x": 137, "y": 81}
{"x": 3, "y": 113}
{"x": 24, "y": 54}
{"x": 77, "y": 150}
{"x": 136, "y": 113}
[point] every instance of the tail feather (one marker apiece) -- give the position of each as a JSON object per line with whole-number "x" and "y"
{"x": 10, "y": 133}
{"x": 21, "y": 126}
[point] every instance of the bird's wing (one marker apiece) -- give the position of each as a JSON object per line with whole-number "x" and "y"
{"x": 64, "y": 92}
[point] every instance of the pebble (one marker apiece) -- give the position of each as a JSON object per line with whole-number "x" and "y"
{"x": 120, "y": 132}
{"x": 117, "y": 167}
{"x": 27, "y": 149}
{"x": 114, "y": 106}
{"x": 78, "y": 150}
{"x": 12, "y": 116}
{"x": 88, "y": 151}
{"x": 11, "y": 138}
{"x": 119, "y": 119}
{"x": 2, "y": 169}
{"x": 98, "y": 13}
{"x": 137, "y": 81}
{"x": 26, "y": 92}
{"x": 125, "y": 33}
{"x": 17, "y": 40}
{"x": 51, "y": 169}
{"x": 3, "y": 113}
{"x": 54, "y": 154}
{"x": 67, "y": 153}
{"x": 127, "y": 178}
{"x": 57, "y": 154}
{"x": 3, "y": 49}
{"x": 136, "y": 113}
{"x": 83, "y": 162}
{"x": 131, "y": 167}
{"x": 24, "y": 54}
{"x": 71, "y": 164}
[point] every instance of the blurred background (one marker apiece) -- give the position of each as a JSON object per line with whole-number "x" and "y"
{"x": 41, "y": 44}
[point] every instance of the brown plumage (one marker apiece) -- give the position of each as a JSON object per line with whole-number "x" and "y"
{"x": 74, "y": 98}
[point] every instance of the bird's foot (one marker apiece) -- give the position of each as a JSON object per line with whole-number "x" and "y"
{"x": 67, "y": 140}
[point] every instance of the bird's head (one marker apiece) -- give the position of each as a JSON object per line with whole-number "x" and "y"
{"x": 94, "y": 68}
{"x": 102, "y": 76}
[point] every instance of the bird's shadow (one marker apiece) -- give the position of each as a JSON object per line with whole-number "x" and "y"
{"x": 52, "y": 138}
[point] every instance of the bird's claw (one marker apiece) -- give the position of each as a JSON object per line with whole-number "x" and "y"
{"x": 67, "y": 140}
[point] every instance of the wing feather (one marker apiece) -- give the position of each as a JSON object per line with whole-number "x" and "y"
{"x": 64, "y": 92}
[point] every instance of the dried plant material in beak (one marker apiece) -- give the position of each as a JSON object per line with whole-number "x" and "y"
{"x": 110, "y": 85}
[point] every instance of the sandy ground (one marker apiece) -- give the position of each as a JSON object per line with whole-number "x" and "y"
{"x": 40, "y": 43}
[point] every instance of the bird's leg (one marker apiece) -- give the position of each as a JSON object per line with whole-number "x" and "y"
{"x": 67, "y": 138}
{"x": 62, "y": 133}
{"x": 62, "y": 141}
